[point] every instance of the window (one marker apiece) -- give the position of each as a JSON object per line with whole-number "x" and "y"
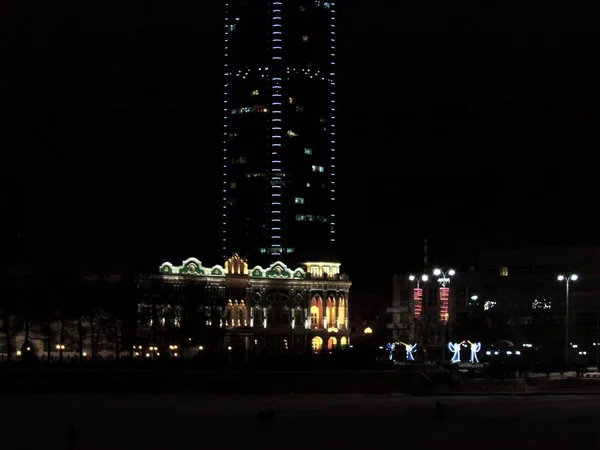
{"x": 305, "y": 218}
{"x": 314, "y": 271}
{"x": 290, "y": 133}
{"x": 231, "y": 27}
{"x": 250, "y": 109}
{"x": 504, "y": 271}
{"x": 239, "y": 160}
{"x": 318, "y": 169}
{"x": 461, "y": 297}
{"x": 299, "y": 109}
{"x": 254, "y": 92}
{"x": 231, "y": 202}
{"x": 304, "y": 38}
{"x": 299, "y": 200}
{"x": 307, "y": 184}
{"x": 291, "y": 100}
{"x": 432, "y": 298}
{"x": 404, "y": 298}
{"x": 232, "y": 185}
{"x": 308, "y": 151}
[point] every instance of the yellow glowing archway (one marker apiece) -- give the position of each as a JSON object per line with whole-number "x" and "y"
{"x": 331, "y": 343}
{"x": 317, "y": 344}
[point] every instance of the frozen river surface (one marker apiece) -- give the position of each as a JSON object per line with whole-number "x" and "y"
{"x": 189, "y": 422}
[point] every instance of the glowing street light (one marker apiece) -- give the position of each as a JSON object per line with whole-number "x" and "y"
{"x": 567, "y": 279}
{"x": 417, "y": 279}
{"x": 444, "y": 276}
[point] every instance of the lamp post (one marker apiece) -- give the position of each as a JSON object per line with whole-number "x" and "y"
{"x": 444, "y": 280}
{"x": 418, "y": 301}
{"x": 567, "y": 279}
{"x": 421, "y": 278}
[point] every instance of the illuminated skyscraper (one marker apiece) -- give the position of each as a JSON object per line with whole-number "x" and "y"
{"x": 279, "y": 143}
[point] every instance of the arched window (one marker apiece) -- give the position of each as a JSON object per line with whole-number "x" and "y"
{"x": 316, "y": 312}
{"x": 332, "y": 343}
{"x": 257, "y": 316}
{"x": 317, "y": 344}
{"x": 330, "y": 312}
{"x": 343, "y": 341}
{"x": 299, "y": 316}
{"x": 342, "y": 312}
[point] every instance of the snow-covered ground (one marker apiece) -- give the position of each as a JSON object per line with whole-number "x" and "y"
{"x": 342, "y": 422}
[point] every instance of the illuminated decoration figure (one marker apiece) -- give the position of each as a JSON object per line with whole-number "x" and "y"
{"x": 454, "y": 347}
{"x": 391, "y": 348}
{"x": 410, "y": 349}
{"x": 475, "y": 347}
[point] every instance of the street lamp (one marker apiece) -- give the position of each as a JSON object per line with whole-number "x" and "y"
{"x": 417, "y": 279}
{"x": 567, "y": 279}
{"x": 417, "y": 301}
{"x": 444, "y": 280}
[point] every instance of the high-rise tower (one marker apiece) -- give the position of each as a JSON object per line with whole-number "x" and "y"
{"x": 279, "y": 146}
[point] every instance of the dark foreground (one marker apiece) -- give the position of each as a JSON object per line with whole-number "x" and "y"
{"x": 183, "y": 422}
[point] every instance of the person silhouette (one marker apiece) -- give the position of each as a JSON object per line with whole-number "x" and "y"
{"x": 71, "y": 437}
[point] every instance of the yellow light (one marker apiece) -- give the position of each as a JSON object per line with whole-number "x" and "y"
{"x": 323, "y": 264}
{"x": 368, "y": 330}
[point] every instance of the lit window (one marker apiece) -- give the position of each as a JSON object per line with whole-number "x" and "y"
{"x": 318, "y": 169}
{"x": 504, "y": 271}
{"x": 304, "y": 38}
{"x": 307, "y": 184}
{"x": 299, "y": 200}
{"x": 308, "y": 151}
{"x": 254, "y": 92}
{"x": 232, "y": 27}
{"x": 291, "y": 100}
{"x": 232, "y": 185}
{"x": 290, "y": 133}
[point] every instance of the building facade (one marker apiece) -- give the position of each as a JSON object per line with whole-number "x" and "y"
{"x": 279, "y": 142}
{"x": 270, "y": 309}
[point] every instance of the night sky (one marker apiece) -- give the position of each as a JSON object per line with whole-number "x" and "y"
{"x": 472, "y": 127}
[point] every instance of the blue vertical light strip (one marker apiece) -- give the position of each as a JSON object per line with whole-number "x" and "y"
{"x": 332, "y": 120}
{"x": 225, "y": 128}
{"x": 276, "y": 179}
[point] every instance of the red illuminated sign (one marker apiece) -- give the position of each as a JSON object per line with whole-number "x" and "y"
{"x": 444, "y": 297}
{"x": 418, "y": 298}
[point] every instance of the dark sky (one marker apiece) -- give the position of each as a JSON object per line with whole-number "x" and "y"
{"x": 470, "y": 125}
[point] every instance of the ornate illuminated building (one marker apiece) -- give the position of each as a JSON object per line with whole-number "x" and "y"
{"x": 279, "y": 143}
{"x": 234, "y": 307}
